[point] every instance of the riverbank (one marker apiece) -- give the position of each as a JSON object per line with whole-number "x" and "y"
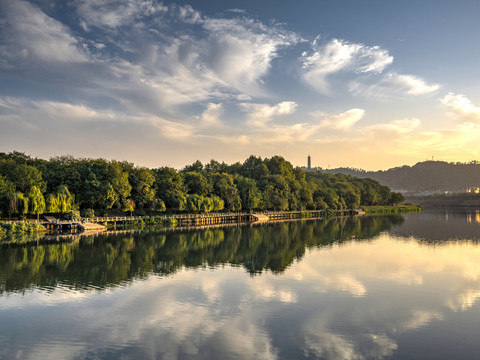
{"x": 446, "y": 200}
{"x": 20, "y": 227}
{"x": 400, "y": 209}
{"x": 182, "y": 220}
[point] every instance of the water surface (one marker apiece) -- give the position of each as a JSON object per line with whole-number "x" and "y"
{"x": 401, "y": 287}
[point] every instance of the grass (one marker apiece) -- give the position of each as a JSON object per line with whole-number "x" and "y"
{"x": 398, "y": 209}
{"x": 20, "y": 227}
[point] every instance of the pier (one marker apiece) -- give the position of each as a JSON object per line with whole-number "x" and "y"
{"x": 100, "y": 223}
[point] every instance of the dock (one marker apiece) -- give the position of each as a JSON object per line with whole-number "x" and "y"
{"x": 100, "y": 223}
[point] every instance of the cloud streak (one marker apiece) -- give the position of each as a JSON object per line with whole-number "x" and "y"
{"x": 340, "y": 55}
{"x": 461, "y": 108}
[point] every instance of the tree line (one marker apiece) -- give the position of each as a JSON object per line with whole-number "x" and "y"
{"x": 65, "y": 184}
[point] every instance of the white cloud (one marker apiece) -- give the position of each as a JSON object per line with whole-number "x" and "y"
{"x": 412, "y": 85}
{"x": 144, "y": 66}
{"x": 189, "y": 15}
{"x": 392, "y": 85}
{"x": 403, "y": 126}
{"x": 462, "y": 108}
{"x": 115, "y": 13}
{"x": 240, "y": 51}
{"x": 30, "y": 35}
{"x": 260, "y": 114}
{"x": 339, "y": 55}
{"x": 344, "y": 120}
{"x": 211, "y": 116}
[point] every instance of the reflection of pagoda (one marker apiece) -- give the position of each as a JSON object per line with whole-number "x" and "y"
{"x": 309, "y": 162}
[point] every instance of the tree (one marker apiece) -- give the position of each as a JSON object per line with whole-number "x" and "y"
{"x": 52, "y": 204}
{"x": 277, "y": 193}
{"x": 25, "y": 177}
{"x": 65, "y": 200}
{"x": 250, "y": 195}
{"x": 218, "y": 203}
{"x": 194, "y": 203}
{"x": 128, "y": 205}
{"x": 277, "y": 165}
{"x": 348, "y": 194}
{"x": 215, "y": 167}
{"x": 197, "y": 166}
{"x": 159, "y": 205}
{"x": 5, "y": 185}
{"x": 224, "y": 187}
{"x": 395, "y": 198}
{"x": 254, "y": 168}
{"x": 196, "y": 183}
{"x": 21, "y": 204}
{"x": 142, "y": 181}
{"x": 7, "y": 197}
{"x": 120, "y": 184}
{"x": 274, "y": 199}
{"x": 36, "y": 202}
{"x": 109, "y": 196}
{"x": 170, "y": 188}
{"x": 11, "y": 203}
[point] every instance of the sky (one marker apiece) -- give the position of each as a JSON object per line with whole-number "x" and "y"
{"x": 364, "y": 84}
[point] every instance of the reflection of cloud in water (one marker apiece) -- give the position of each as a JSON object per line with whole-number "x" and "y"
{"x": 417, "y": 319}
{"x": 464, "y": 301}
{"x": 326, "y": 345}
{"x": 390, "y": 259}
{"x": 348, "y": 302}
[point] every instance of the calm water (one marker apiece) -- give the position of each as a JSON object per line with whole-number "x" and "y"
{"x": 401, "y": 287}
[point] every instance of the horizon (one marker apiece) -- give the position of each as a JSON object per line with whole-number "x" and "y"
{"x": 372, "y": 85}
{"x": 303, "y": 166}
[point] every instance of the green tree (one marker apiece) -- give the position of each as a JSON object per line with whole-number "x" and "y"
{"x": 159, "y": 205}
{"x": 52, "y": 204}
{"x": 170, "y": 188}
{"x": 277, "y": 193}
{"x": 10, "y": 199}
{"x": 277, "y": 165}
{"x": 224, "y": 187}
{"x": 197, "y": 166}
{"x": 194, "y": 203}
{"x": 142, "y": 184}
{"x": 21, "y": 204}
{"x": 5, "y": 185}
{"x": 218, "y": 203}
{"x": 25, "y": 177}
{"x": 196, "y": 183}
{"x": 128, "y": 205}
{"x": 250, "y": 195}
{"x": 254, "y": 168}
{"x": 65, "y": 200}
{"x": 109, "y": 197}
{"x": 215, "y": 167}
{"x": 36, "y": 202}
{"x": 395, "y": 198}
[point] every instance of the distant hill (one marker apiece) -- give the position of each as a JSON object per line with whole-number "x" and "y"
{"x": 423, "y": 177}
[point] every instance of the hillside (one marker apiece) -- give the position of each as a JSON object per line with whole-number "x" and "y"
{"x": 423, "y": 177}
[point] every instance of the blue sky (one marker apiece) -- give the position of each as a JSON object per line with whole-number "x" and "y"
{"x": 366, "y": 84}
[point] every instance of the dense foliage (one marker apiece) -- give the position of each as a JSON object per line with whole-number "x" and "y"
{"x": 63, "y": 184}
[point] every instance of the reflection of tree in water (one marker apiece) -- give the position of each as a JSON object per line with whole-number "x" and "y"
{"x": 108, "y": 260}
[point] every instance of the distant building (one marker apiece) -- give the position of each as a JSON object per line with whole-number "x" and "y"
{"x": 309, "y": 163}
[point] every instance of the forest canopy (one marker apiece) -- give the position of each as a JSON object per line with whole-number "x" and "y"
{"x": 65, "y": 183}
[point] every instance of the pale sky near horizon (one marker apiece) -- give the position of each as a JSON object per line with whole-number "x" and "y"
{"x": 364, "y": 84}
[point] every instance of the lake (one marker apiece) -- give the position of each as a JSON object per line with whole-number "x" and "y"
{"x": 371, "y": 287}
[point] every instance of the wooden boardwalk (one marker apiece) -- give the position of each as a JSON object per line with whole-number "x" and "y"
{"x": 99, "y": 223}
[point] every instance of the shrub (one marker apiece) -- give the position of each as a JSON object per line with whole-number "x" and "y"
{"x": 88, "y": 213}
